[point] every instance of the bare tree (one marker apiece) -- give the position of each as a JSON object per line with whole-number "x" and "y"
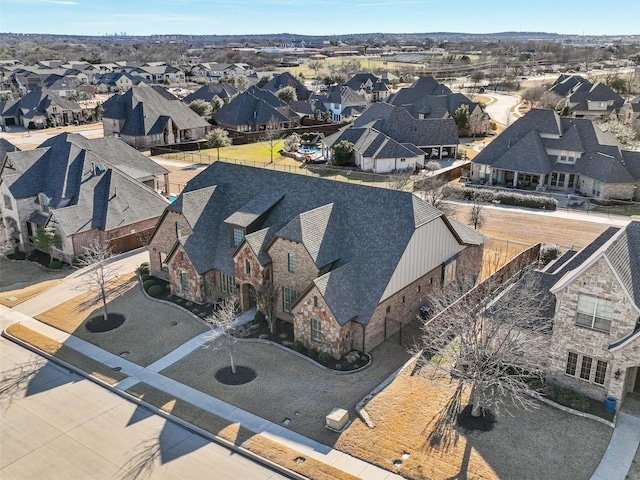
{"x": 399, "y": 181}
{"x": 100, "y": 272}
{"x": 224, "y": 327}
{"x": 431, "y": 190}
{"x": 271, "y": 136}
{"x": 493, "y": 339}
{"x": 476, "y": 214}
{"x": 267, "y": 297}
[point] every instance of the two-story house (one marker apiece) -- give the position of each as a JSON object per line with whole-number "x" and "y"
{"x": 595, "y": 344}
{"x": 584, "y": 99}
{"x": 98, "y": 190}
{"x": 352, "y": 263}
{"x": 342, "y": 102}
{"x": 40, "y": 109}
{"x": 545, "y": 151}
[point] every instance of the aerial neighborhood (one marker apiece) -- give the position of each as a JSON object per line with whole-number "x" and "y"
{"x": 385, "y": 256}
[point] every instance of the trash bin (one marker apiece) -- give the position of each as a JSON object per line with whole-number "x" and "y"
{"x": 610, "y": 404}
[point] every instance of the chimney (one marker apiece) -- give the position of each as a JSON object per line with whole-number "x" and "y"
{"x": 115, "y": 190}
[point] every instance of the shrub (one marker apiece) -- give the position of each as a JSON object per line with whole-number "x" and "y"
{"x": 55, "y": 265}
{"x": 548, "y": 253}
{"x": 195, "y": 310}
{"x": 324, "y": 358}
{"x": 312, "y": 353}
{"x": 170, "y": 297}
{"x": 188, "y": 304}
{"x": 145, "y": 277}
{"x": 567, "y": 397}
{"x": 338, "y": 366}
{"x": 356, "y": 366}
{"x": 258, "y": 318}
{"x": 144, "y": 264}
{"x": 155, "y": 290}
{"x": 263, "y": 336}
{"x": 143, "y": 269}
{"x": 298, "y": 346}
{"x": 283, "y": 336}
{"x": 167, "y": 287}
{"x": 287, "y": 343}
{"x": 148, "y": 284}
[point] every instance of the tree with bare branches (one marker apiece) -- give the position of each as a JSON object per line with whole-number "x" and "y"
{"x": 224, "y": 328}
{"x": 266, "y": 297}
{"x": 100, "y": 272}
{"x": 476, "y": 213}
{"x": 431, "y": 190}
{"x": 493, "y": 341}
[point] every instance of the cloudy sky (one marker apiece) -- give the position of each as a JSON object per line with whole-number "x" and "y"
{"x": 320, "y": 17}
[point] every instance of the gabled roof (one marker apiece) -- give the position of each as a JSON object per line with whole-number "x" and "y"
{"x": 620, "y": 246}
{"x": 252, "y": 107}
{"x": 285, "y": 79}
{"x": 36, "y": 102}
{"x": 341, "y": 95}
{"x": 83, "y": 184}
{"x": 400, "y": 125}
{"x": 5, "y": 147}
{"x": 146, "y": 111}
{"x": 209, "y": 91}
{"x": 334, "y": 220}
{"x": 523, "y": 146}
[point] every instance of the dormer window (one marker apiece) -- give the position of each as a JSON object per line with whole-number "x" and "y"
{"x": 238, "y": 236}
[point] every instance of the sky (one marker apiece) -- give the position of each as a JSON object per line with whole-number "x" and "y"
{"x": 320, "y": 17}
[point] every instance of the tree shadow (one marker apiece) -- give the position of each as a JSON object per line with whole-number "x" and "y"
{"x": 33, "y": 377}
{"x": 112, "y": 291}
{"x": 441, "y": 432}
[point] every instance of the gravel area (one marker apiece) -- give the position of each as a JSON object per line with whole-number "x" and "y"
{"x": 150, "y": 331}
{"x": 287, "y": 386}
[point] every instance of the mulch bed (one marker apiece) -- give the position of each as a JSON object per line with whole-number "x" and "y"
{"x": 97, "y": 324}
{"x": 283, "y": 335}
{"x": 469, "y": 423}
{"x": 243, "y": 375}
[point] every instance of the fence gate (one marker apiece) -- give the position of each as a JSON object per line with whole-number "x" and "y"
{"x": 406, "y": 334}
{"x": 128, "y": 242}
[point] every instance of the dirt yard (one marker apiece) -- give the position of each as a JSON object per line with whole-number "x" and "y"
{"x": 527, "y": 445}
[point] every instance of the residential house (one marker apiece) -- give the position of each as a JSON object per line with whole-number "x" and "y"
{"x": 583, "y": 99}
{"x": 148, "y": 116}
{"x": 39, "y": 109}
{"x": 98, "y": 190}
{"x": 543, "y": 150}
{"x": 426, "y": 98}
{"x": 256, "y": 110}
{"x": 285, "y": 79}
{"x": 352, "y": 262}
{"x": 630, "y": 113}
{"x": 213, "y": 71}
{"x": 370, "y": 87}
{"x": 115, "y": 82}
{"x": 154, "y": 73}
{"x": 387, "y": 138}
{"x": 342, "y": 102}
{"x": 595, "y": 292}
{"x": 208, "y": 92}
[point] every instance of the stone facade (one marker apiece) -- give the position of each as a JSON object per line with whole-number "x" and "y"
{"x": 305, "y": 270}
{"x": 164, "y": 239}
{"x": 249, "y": 274}
{"x": 597, "y": 281}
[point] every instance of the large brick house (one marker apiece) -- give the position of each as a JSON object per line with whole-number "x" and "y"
{"x": 351, "y": 262}
{"x": 90, "y": 191}
{"x": 545, "y": 151}
{"x": 595, "y": 293}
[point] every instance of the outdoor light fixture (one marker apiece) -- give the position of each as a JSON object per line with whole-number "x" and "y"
{"x": 617, "y": 374}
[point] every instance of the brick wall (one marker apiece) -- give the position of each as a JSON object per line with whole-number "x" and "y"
{"x": 178, "y": 264}
{"x": 164, "y": 240}
{"x": 305, "y": 270}
{"x": 598, "y": 281}
{"x": 253, "y": 277}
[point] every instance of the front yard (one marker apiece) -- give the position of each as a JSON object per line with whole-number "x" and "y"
{"x": 529, "y": 444}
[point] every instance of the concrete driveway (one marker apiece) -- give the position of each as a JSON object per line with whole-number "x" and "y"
{"x": 57, "y": 425}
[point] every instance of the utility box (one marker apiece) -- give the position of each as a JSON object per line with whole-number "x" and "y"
{"x": 337, "y": 419}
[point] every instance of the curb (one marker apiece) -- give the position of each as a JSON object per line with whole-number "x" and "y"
{"x": 578, "y": 413}
{"x": 177, "y": 420}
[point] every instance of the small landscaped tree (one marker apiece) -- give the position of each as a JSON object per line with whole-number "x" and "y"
{"x": 476, "y": 213}
{"x": 217, "y": 139}
{"x": 45, "y": 239}
{"x": 224, "y": 329}
{"x": 287, "y": 94}
{"x": 100, "y": 272}
{"x": 343, "y": 153}
{"x": 201, "y": 107}
{"x": 461, "y": 116}
{"x": 267, "y": 300}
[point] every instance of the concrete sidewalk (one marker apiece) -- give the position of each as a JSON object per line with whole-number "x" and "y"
{"x": 622, "y": 448}
{"x": 136, "y": 373}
